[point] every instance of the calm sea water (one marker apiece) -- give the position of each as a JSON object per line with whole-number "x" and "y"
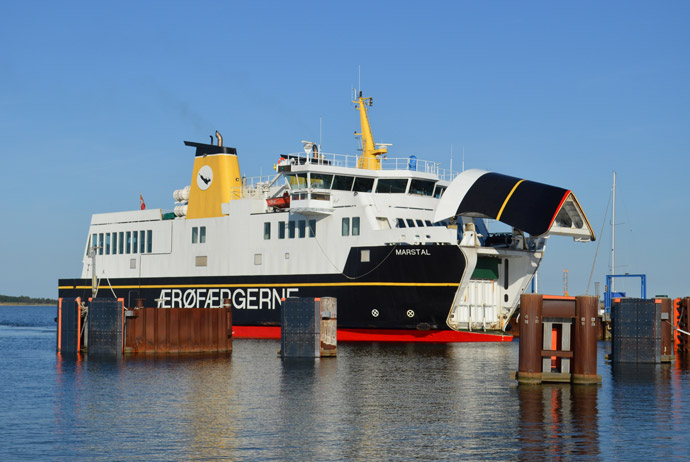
{"x": 373, "y": 402}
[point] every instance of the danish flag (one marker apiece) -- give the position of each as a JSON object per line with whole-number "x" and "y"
{"x": 141, "y": 202}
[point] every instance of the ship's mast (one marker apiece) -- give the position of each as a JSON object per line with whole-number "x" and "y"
{"x": 370, "y": 152}
{"x": 613, "y": 236}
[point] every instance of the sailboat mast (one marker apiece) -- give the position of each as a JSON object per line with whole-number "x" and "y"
{"x": 613, "y": 236}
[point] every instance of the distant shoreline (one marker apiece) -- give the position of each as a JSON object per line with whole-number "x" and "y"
{"x": 27, "y": 304}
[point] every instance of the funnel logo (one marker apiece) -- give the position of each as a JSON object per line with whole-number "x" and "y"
{"x": 204, "y": 178}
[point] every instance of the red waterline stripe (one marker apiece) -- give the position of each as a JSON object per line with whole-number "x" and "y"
{"x": 380, "y": 335}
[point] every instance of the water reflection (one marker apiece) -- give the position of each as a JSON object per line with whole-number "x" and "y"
{"x": 558, "y": 420}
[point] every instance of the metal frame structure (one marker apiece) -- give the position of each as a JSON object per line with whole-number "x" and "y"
{"x": 609, "y": 278}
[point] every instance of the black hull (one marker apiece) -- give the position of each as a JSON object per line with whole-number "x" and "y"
{"x": 400, "y": 287}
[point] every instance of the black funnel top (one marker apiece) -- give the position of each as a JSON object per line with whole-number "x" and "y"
{"x": 203, "y": 149}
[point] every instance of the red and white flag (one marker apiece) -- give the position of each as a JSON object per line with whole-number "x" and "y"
{"x": 141, "y": 202}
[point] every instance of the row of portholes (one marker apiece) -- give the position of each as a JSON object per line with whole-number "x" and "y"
{"x": 375, "y": 313}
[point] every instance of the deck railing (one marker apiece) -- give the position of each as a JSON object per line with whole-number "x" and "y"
{"x": 410, "y": 163}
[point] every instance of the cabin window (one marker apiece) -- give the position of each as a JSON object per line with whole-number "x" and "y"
{"x": 320, "y": 196}
{"x": 267, "y": 230}
{"x": 297, "y": 180}
{"x": 195, "y": 235}
{"x": 114, "y": 243}
{"x": 149, "y": 243}
{"x": 428, "y": 222}
{"x": 342, "y": 183}
{"x": 355, "y": 226}
{"x": 107, "y": 243}
{"x": 410, "y": 222}
{"x": 302, "y": 227}
{"x": 100, "y": 243}
{"x": 129, "y": 241}
{"x": 142, "y": 241}
{"x": 281, "y": 230}
{"x": 363, "y": 184}
{"x": 422, "y": 187}
{"x": 439, "y": 191}
{"x": 345, "y": 231}
{"x": 121, "y": 242}
{"x": 135, "y": 241}
{"x": 202, "y": 235}
{"x": 321, "y": 181}
{"x": 420, "y": 223}
{"x": 312, "y": 228}
{"x": 291, "y": 229}
{"x": 399, "y": 223}
{"x": 391, "y": 185}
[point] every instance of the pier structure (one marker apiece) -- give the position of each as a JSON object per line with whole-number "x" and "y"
{"x": 104, "y": 327}
{"x": 309, "y": 327}
{"x": 642, "y": 330}
{"x": 558, "y": 339}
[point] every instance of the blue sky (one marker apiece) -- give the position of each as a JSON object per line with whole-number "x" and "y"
{"x": 96, "y": 100}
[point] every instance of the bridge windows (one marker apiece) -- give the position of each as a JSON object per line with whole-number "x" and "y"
{"x": 391, "y": 185}
{"x": 421, "y": 187}
{"x": 363, "y": 184}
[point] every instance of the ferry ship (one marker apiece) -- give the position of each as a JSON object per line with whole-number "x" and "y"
{"x": 400, "y": 242}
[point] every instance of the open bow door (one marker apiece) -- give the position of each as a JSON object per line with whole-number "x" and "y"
{"x": 536, "y": 208}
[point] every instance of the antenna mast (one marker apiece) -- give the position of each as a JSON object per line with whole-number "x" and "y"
{"x": 451, "y": 159}
{"x": 613, "y": 236}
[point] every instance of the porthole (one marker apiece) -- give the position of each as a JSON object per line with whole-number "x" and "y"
{"x": 410, "y": 313}
{"x": 375, "y": 313}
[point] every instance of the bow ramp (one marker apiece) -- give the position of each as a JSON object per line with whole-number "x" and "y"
{"x": 536, "y": 208}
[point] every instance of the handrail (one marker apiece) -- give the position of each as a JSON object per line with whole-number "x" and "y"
{"x": 410, "y": 163}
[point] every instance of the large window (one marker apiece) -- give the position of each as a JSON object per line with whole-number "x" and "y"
{"x": 297, "y": 180}
{"x": 291, "y": 229}
{"x": 202, "y": 234}
{"x": 135, "y": 241}
{"x": 129, "y": 242}
{"x": 107, "y": 243}
{"x": 142, "y": 241}
{"x": 321, "y": 181}
{"x": 149, "y": 239}
{"x": 100, "y": 244}
{"x": 121, "y": 243}
{"x": 342, "y": 183}
{"x": 267, "y": 230}
{"x": 281, "y": 230}
{"x": 312, "y": 228}
{"x": 391, "y": 185}
{"x": 422, "y": 187}
{"x": 363, "y": 184}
